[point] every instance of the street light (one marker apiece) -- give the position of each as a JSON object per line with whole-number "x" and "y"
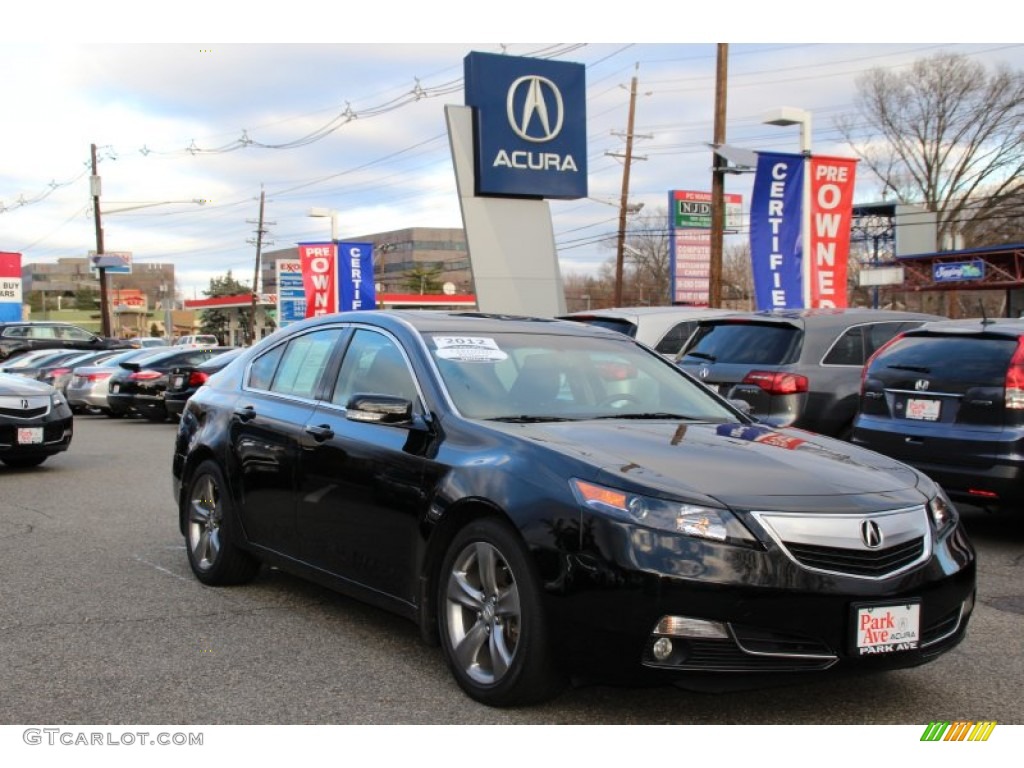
{"x": 795, "y": 116}
{"x": 322, "y": 213}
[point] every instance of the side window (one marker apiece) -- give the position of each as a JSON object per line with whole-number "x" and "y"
{"x": 304, "y": 360}
{"x": 264, "y": 367}
{"x": 17, "y": 331}
{"x": 41, "y": 332}
{"x": 672, "y": 342}
{"x": 74, "y": 334}
{"x": 848, "y": 349}
{"x": 373, "y": 364}
{"x": 876, "y": 335}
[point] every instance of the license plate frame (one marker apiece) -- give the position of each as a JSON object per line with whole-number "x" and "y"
{"x": 924, "y": 409}
{"x": 883, "y": 628}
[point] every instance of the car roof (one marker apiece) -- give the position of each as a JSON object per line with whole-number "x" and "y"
{"x": 440, "y": 321}
{"x": 1009, "y": 326}
{"x": 831, "y": 318}
{"x": 652, "y": 323}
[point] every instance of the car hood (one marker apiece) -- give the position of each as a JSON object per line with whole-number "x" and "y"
{"x": 11, "y": 385}
{"x": 741, "y": 465}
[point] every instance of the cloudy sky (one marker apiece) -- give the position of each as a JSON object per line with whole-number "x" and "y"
{"x": 358, "y": 127}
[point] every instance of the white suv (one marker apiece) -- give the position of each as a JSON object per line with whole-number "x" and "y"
{"x": 205, "y": 340}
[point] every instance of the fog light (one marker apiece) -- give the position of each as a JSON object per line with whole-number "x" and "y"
{"x": 684, "y": 626}
{"x": 662, "y": 648}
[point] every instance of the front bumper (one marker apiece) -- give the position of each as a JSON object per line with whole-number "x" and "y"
{"x": 771, "y": 616}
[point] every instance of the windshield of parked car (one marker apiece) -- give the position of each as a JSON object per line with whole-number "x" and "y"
{"x": 523, "y": 376}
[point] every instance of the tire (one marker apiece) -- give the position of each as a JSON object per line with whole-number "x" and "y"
{"x": 492, "y": 626}
{"x": 23, "y": 462}
{"x": 214, "y": 558}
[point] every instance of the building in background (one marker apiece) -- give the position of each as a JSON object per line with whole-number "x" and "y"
{"x": 418, "y": 260}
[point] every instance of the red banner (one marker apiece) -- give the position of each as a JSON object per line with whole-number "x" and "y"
{"x": 319, "y": 278}
{"x": 831, "y": 216}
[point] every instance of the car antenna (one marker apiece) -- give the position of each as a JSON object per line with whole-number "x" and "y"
{"x": 984, "y": 318}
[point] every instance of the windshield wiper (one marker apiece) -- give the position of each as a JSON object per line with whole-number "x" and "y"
{"x": 915, "y": 368}
{"x": 651, "y": 415}
{"x": 530, "y": 419}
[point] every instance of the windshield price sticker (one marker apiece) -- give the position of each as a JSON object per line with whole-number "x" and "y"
{"x": 887, "y": 628}
{"x": 30, "y": 435}
{"x": 469, "y": 349}
{"x": 925, "y": 410}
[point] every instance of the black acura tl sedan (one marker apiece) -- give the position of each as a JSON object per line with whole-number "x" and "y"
{"x": 544, "y": 498}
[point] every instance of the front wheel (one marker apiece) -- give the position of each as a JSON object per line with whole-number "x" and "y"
{"x": 214, "y": 558}
{"x": 493, "y": 629}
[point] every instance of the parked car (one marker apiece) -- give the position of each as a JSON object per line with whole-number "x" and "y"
{"x": 146, "y": 341}
{"x": 664, "y": 329}
{"x": 794, "y": 368}
{"x": 35, "y": 421}
{"x": 184, "y": 380}
{"x": 948, "y": 398}
{"x": 17, "y": 337}
{"x": 57, "y": 372}
{"x": 204, "y": 340}
{"x": 138, "y": 388}
{"x": 87, "y": 389}
{"x": 542, "y": 497}
{"x": 28, "y": 361}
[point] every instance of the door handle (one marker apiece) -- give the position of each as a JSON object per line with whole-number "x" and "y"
{"x": 246, "y": 413}
{"x": 320, "y": 432}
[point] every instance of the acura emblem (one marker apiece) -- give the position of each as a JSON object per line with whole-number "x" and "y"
{"x": 871, "y": 534}
{"x": 703, "y": 371}
{"x": 24, "y": 405}
{"x": 535, "y": 122}
{"x": 921, "y": 385}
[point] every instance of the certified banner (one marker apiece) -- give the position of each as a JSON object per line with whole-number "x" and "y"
{"x": 355, "y": 276}
{"x": 776, "y": 248}
{"x": 10, "y": 286}
{"x": 831, "y": 216}
{"x": 319, "y": 269}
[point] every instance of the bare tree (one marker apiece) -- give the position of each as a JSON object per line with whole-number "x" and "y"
{"x": 946, "y": 133}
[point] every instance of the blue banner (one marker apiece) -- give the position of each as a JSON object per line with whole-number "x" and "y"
{"x": 776, "y": 245}
{"x": 355, "y": 277}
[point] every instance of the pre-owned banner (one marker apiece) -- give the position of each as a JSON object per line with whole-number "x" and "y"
{"x": 10, "y": 286}
{"x": 355, "y": 276}
{"x": 831, "y": 216}
{"x": 776, "y": 247}
{"x": 319, "y": 271}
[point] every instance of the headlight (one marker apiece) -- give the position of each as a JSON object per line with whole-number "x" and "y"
{"x": 56, "y": 400}
{"x": 942, "y": 511}
{"x": 673, "y": 516}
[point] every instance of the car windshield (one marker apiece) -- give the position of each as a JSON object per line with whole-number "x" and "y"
{"x": 523, "y": 377}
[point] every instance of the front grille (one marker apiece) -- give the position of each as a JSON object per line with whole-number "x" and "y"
{"x": 941, "y": 629}
{"x": 858, "y": 562}
{"x": 24, "y": 413}
{"x": 727, "y": 656}
{"x": 768, "y": 642}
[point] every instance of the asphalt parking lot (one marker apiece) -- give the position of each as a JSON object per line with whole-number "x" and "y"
{"x": 103, "y": 623}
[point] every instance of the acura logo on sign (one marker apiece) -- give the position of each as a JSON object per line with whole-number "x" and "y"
{"x": 534, "y": 122}
{"x": 871, "y": 534}
{"x": 921, "y": 385}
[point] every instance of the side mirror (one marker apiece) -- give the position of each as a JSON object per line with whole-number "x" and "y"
{"x": 380, "y": 409}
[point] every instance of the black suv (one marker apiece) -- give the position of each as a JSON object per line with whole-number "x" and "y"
{"x": 16, "y": 338}
{"x": 794, "y": 368}
{"x": 948, "y": 398}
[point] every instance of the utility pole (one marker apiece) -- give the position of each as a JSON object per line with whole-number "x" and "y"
{"x": 94, "y": 184}
{"x": 624, "y": 198}
{"x": 718, "y": 181}
{"x": 260, "y": 231}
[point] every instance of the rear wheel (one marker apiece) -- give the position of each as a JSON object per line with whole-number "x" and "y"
{"x": 493, "y": 630}
{"x": 214, "y": 558}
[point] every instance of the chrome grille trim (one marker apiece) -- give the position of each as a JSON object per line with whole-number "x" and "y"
{"x": 842, "y": 533}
